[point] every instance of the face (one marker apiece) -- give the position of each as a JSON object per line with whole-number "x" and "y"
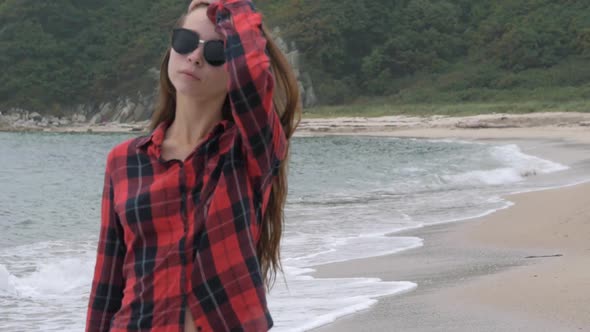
{"x": 190, "y": 74}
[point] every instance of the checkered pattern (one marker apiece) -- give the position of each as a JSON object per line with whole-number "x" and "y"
{"x": 178, "y": 235}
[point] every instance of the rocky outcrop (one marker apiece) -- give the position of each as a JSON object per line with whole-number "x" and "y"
{"x": 308, "y": 96}
{"x": 121, "y": 111}
{"x": 19, "y": 118}
{"x": 125, "y": 110}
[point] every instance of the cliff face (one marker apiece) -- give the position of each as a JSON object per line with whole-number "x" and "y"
{"x": 308, "y": 96}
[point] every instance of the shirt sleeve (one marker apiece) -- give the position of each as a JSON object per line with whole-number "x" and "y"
{"x": 229, "y": 284}
{"x": 106, "y": 292}
{"x": 251, "y": 87}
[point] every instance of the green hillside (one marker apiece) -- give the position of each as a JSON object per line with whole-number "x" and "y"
{"x": 63, "y": 52}
{"x": 443, "y": 50}
{"x": 69, "y": 52}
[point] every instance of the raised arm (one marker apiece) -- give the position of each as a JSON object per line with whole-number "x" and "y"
{"x": 106, "y": 292}
{"x": 251, "y": 87}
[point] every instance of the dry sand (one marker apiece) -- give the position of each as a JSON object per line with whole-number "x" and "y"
{"x": 555, "y": 223}
{"x": 387, "y": 125}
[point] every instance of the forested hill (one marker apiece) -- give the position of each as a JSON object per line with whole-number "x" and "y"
{"x": 432, "y": 50}
{"x": 63, "y": 52}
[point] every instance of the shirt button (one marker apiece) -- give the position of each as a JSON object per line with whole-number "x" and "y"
{"x": 199, "y": 328}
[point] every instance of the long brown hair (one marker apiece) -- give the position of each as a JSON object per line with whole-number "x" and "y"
{"x": 286, "y": 101}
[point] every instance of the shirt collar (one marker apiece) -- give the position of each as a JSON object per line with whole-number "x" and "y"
{"x": 156, "y": 136}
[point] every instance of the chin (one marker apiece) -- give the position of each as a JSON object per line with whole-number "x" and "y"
{"x": 192, "y": 92}
{"x": 185, "y": 87}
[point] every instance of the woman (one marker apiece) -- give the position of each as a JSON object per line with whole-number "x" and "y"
{"x": 192, "y": 213}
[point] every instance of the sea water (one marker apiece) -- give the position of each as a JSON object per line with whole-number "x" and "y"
{"x": 345, "y": 195}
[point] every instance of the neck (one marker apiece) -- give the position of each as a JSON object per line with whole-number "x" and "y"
{"x": 194, "y": 119}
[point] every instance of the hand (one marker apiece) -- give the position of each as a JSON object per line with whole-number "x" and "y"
{"x": 195, "y": 3}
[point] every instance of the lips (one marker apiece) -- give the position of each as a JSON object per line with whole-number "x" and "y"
{"x": 191, "y": 74}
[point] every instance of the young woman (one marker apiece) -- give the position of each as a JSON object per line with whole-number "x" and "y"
{"x": 192, "y": 214}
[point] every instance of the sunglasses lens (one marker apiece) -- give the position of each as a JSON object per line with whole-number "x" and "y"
{"x": 184, "y": 41}
{"x": 214, "y": 52}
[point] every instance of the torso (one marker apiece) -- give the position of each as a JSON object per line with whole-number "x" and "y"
{"x": 169, "y": 152}
{"x": 139, "y": 179}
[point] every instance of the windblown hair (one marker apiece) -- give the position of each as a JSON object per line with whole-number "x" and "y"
{"x": 286, "y": 102}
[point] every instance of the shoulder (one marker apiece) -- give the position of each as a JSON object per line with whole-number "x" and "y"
{"x": 118, "y": 155}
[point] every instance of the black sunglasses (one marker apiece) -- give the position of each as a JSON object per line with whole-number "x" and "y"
{"x": 184, "y": 41}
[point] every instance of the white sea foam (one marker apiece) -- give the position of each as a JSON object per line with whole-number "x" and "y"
{"x": 6, "y": 282}
{"x": 328, "y": 299}
{"x": 49, "y": 279}
{"x": 512, "y": 155}
{"x": 516, "y": 167}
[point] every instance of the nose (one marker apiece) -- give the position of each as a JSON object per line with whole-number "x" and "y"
{"x": 196, "y": 56}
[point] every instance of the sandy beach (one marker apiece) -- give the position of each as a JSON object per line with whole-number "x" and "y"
{"x": 524, "y": 268}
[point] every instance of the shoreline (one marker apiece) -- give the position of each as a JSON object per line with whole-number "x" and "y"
{"x": 471, "y": 275}
{"x": 359, "y": 125}
{"x": 110, "y": 127}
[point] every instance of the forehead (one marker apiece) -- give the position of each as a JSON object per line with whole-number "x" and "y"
{"x": 198, "y": 21}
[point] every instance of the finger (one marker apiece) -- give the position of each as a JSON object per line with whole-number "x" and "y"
{"x": 195, "y": 3}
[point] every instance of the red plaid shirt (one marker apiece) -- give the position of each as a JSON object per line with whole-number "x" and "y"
{"x": 178, "y": 235}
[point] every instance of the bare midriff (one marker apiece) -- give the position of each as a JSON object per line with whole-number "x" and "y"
{"x": 189, "y": 323}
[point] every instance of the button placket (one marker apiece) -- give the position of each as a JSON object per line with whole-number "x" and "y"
{"x": 187, "y": 182}
{"x": 184, "y": 216}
